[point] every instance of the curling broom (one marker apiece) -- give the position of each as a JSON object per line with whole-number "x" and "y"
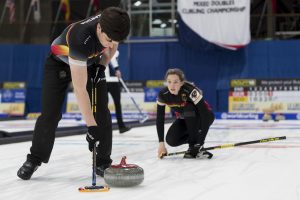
{"x": 94, "y": 187}
{"x": 229, "y": 145}
{"x": 143, "y": 117}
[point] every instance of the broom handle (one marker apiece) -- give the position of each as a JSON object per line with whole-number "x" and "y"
{"x": 94, "y": 103}
{"x": 131, "y": 97}
{"x": 142, "y": 117}
{"x": 246, "y": 143}
{"x": 94, "y": 166}
{"x": 231, "y": 145}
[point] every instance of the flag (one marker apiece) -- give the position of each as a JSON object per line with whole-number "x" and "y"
{"x": 35, "y": 4}
{"x": 65, "y": 7}
{"x": 223, "y": 24}
{"x": 10, "y": 4}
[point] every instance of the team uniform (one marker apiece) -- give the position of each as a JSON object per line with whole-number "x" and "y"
{"x": 193, "y": 116}
{"x": 113, "y": 87}
{"x": 78, "y": 45}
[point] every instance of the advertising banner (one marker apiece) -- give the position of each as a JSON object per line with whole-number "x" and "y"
{"x": 144, "y": 94}
{"x": 264, "y": 95}
{"x": 12, "y": 98}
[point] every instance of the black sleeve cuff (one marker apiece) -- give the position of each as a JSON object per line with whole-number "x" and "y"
{"x": 160, "y": 122}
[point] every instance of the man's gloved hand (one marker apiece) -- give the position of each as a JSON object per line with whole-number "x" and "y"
{"x": 92, "y": 136}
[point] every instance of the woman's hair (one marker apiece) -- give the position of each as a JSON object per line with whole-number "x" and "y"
{"x": 115, "y": 22}
{"x": 175, "y": 71}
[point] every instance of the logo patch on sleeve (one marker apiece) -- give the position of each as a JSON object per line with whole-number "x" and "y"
{"x": 195, "y": 96}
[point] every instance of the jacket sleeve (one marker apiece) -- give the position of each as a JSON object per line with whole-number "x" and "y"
{"x": 114, "y": 61}
{"x": 160, "y": 122}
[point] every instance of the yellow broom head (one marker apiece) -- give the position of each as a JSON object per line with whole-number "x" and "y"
{"x": 94, "y": 189}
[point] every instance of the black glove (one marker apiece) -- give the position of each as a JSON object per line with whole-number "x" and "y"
{"x": 92, "y": 136}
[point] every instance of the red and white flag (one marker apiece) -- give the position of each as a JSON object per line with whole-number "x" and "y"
{"x": 224, "y": 23}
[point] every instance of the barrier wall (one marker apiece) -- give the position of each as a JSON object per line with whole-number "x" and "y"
{"x": 211, "y": 70}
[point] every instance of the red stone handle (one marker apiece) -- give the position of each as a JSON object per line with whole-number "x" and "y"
{"x": 123, "y": 161}
{"x": 123, "y": 164}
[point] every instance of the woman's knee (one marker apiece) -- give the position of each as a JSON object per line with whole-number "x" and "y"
{"x": 171, "y": 142}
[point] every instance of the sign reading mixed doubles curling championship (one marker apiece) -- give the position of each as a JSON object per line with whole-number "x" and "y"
{"x": 223, "y": 22}
{"x": 12, "y": 98}
{"x": 264, "y": 95}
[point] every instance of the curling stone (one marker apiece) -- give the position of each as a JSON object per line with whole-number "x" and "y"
{"x": 124, "y": 175}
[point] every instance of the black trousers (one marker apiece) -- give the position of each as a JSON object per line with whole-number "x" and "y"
{"x": 57, "y": 77}
{"x": 115, "y": 90}
{"x": 189, "y": 129}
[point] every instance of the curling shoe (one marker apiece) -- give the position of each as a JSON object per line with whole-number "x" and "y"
{"x": 124, "y": 129}
{"x": 27, "y": 169}
{"x": 100, "y": 169}
{"x": 197, "y": 151}
{"x": 188, "y": 154}
{"x": 203, "y": 154}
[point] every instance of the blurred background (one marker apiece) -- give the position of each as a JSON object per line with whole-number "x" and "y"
{"x": 234, "y": 78}
{"x": 26, "y": 24}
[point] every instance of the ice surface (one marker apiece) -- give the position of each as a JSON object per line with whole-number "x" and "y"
{"x": 268, "y": 171}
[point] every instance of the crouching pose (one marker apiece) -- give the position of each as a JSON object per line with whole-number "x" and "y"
{"x": 193, "y": 116}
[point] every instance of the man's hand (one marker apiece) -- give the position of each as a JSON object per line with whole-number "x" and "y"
{"x": 118, "y": 74}
{"x": 161, "y": 150}
{"x": 92, "y": 136}
{"x": 107, "y": 54}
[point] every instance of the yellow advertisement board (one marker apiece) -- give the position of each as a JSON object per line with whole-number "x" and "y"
{"x": 264, "y": 96}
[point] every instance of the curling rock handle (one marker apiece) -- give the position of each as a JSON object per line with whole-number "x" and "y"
{"x": 124, "y": 175}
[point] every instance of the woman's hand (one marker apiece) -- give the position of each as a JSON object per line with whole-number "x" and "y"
{"x": 161, "y": 150}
